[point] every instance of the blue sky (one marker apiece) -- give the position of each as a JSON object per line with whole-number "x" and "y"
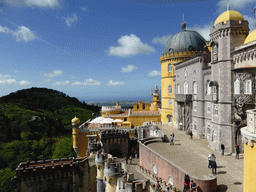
{"x": 94, "y": 49}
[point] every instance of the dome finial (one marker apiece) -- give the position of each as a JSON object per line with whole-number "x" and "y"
{"x": 227, "y": 7}
{"x": 183, "y": 25}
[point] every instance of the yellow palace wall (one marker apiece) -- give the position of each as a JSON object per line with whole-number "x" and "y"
{"x": 139, "y": 120}
{"x": 249, "y": 168}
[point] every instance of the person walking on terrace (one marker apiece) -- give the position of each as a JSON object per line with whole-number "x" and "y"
{"x": 237, "y": 151}
{"x": 186, "y": 183}
{"x": 214, "y": 167}
{"x": 191, "y": 135}
{"x": 172, "y": 138}
{"x": 193, "y": 186}
{"x": 222, "y": 148}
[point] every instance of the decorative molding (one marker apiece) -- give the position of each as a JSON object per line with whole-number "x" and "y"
{"x": 248, "y": 136}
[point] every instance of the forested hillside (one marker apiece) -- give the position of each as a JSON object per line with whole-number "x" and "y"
{"x": 36, "y": 124}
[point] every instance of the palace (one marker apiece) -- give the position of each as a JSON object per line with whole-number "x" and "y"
{"x": 208, "y": 86}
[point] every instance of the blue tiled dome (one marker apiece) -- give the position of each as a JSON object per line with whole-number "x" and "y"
{"x": 185, "y": 40}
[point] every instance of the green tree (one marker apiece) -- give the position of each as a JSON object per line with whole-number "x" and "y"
{"x": 64, "y": 148}
{"x": 6, "y": 182}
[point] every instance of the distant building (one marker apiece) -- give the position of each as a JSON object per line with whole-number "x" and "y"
{"x": 207, "y": 86}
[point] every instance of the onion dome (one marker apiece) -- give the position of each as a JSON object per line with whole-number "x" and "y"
{"x": 251, "y": 37}
{"x": 229, "y": 15}
{"x": 185, "y": 40}
{"x": 75, "y": 120}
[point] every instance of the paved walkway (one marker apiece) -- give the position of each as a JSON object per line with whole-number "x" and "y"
{"x": 192, "y": 156}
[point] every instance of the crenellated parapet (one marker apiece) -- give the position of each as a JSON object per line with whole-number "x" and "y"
{"x": 112, "y": 168}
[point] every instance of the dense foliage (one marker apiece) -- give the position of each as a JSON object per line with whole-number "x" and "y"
{"x": 36, "y": 124}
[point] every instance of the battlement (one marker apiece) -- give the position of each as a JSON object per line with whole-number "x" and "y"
{"x": 100, "y": 158}
{"x": 114, "y": 133}
{"x": 229, "y": 24}
{"x": 112, "y": 168}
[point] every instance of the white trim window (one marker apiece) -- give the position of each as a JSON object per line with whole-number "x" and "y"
{"x": 215, "y": 110}
{"x": 169, "y": 89}
{"x": 195, "y": 88}
{"x": 237, "y": 87}
{"x": 195, "y": 125}
{"x": 154, "y": 168}
{"x": 208, "y": 88}
{"x": 195, "y": 105}
{"x": 208, "y": 107}
{"x": 214, "y": 134}
{"x": 185, "y": 87}
{"x": 248, "y": 86}
{"x": 185, "y": 73}
{"x": 170, "y": 102}
{"x": 169, "y": 67}
{"x": 208, "y": 129}
{"x": 178, "y": 88}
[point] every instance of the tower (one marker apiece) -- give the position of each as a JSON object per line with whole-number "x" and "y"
{"x": 99, "y": 161}
{"x": 229, "y": 31}
{"x": 180, "y": 46}
{"x": 76, "y": 135}
{"x": 112, "y": 171}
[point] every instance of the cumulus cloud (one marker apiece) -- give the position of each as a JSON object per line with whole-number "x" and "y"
{"x": 77, "y": 83}
{"x": 70, "y": 20}
{"x": 48, "y": 80}
{"x": 33, "y": 3}
{"x": 162, "y": 40}
{"x": 203, "y": 30}
{"x": 91, "y": 82}
{"x": 234, "y": 4}
{"x": 24, "y": 82}
{"x": 117, "y": 83}
{"x": 130, "y": 46}
{"x": 21, "y": 34}
{"x": 154, "y": 73}
{"x": 6, "y": 79}
{"x": 54, "y": 73}
{"x": 61, "y": 83}
{"x": 129, "y": 68}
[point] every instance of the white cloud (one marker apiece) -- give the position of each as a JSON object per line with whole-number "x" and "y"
{"x": 129, "y": 68}
{"x": 130, "y": 46}
{"x": 48, "y": 80}
{"x": 21, "y": 34}
{"x": 77, "y": 83}
{"x": 91, "y": 82}
{"x": 70, "y": 20}
{"x": 8, "y": 81}
{"x": 54, "y": 73}
{"x": 83, "y": 8}
{"x": 5, "y": 76}
{"x": 234, "y": 4}
{"x": 154, "y": 73}
{"x": 61, "y": 83}
{"x": 162, "y": 40}
{"x": 24, "y": 82}
{"x": 203, "y": 30}
{"x": 252, "y": 22}
{"x": 34, "y": 3}
{"x": 117, "y": 83}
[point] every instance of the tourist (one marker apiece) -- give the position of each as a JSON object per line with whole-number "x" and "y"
{"x": 172, "y": 138}
{"x": 193, "y": 186}
{"x": 186, "y": 183}
{"x": 222, "y": 148}
{"x": 126, "y": 159}
{"x": 130, "y": 160}
{"x": 237, "y": 151}
{"x": 214, "y": 167}
{"x": 209, "y": 160}
{"x": 191, "y": 135}
{"x": 168, "y": 188}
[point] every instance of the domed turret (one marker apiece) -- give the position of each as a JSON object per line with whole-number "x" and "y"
{"x": 185, "y": 40}
{"x": 75, "y": 120}
{"x": 251, "y": 37}
{"x": 229, "y": 15}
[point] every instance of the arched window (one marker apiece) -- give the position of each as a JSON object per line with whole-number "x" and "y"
{"x": 185, "y": 87}
{"x": 178, "y": 88}
{"x": 237, "y": 87}
{"x": 208, "y": 129}
{"x": 195, "y": 105}
{"x": 215, "y": 110}
{"x": 195, "y": 88}
{"x": 248, "y": 86}
{"x": 195, "y": 125}
{"x": 208, "y": 107}
{"x": 154, "y": 168}
{"x": 208, "y": 88}
{"x": 169, "y": 67}
{"x": 170, "y": 89}
{"x": 170, "y": 102}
